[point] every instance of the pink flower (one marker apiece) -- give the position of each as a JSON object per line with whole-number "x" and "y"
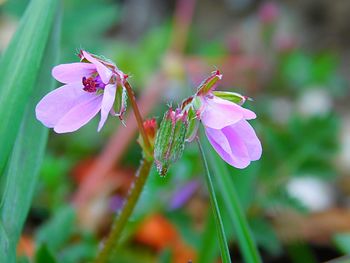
{"x": 90, "y": 87}
{"x": 226, "y": 125}
{"x": 268, "y": 12}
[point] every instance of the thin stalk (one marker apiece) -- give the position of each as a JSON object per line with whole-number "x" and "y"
{"x": 245, "y": 238}
{"x": 126, "y": 212}
{"x": 136, "y": 189}
{"x": 138, "y": 116}
{"x": 225, "y": 254}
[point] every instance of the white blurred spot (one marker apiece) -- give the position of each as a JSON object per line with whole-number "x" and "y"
{"x": 315, "y": 102}
{"x": 312, "y": 192}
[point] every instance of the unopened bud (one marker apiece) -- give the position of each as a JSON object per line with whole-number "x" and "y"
{"x": 208, "y": 85}
{"x": 170, "y": 139}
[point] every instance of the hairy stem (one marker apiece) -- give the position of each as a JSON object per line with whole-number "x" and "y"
{"x": 127, "y": 210}
{"x": 138, "y": 117}
{"x": 136, "y": 188}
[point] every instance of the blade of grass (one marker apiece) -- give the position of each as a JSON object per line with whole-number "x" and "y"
{"x": 225, "y": 254}
{"x": 208, "y": 249}
{"x": 228, "y": 191}
{"x": 23, "y": 166}
{"x": 19, "y": 68}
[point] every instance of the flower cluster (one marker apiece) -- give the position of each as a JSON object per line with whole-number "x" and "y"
{"x": 224, "y": 121}
{"x": 96, "y": 85}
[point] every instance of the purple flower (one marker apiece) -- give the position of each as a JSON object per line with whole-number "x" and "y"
{"x": 90, "y": 87}
{"x": 183, "y": 194}
{"x": 225, "y": 123}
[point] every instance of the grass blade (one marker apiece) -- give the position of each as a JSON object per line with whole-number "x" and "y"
{"x": 23, "y": 166}
{"x": 225, "y": 254}
{"x": 208, "y": 249}
{"x": 227, "y": 189}
{"x": 19, "y": 68}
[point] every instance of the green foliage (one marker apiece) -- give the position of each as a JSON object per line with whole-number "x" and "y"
{"x": 237, "y": 217}
{"x": 342, "y": 241}
{"x": 60, "y": 226}
{"x": 43, "y": 255}
{"x": 31, "y": 52}
{"x": 301, "y": 70}
{"x": 301, "y": 146}
{"x": 19, "y": 69}
{"x": 208, "y": 249}
{"x": 82, "y": 27}
{"x": 265, "y": 236}
{"x": 225, "y": 254}
{"x": 59, "y": 230}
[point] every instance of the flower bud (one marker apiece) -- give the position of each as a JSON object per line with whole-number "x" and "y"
{"x": 208, "y": 85}
{"x": 170, "y": 139}
{"x": 151, "y": 127}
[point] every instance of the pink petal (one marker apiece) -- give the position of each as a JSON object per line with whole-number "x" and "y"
{"x": 218, "y": 113}
{"x": 104, "y": 72}
{"x": 73, "y": 72}
{"x": 246, "y": 132}
{"x": 229, "y": 146}
{"x": 79, "y": 115}
{"x": 107, "y": 103}
{"x": 58, "y": 102}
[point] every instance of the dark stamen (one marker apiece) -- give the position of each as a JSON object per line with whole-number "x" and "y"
{"x": 89, "y": 84}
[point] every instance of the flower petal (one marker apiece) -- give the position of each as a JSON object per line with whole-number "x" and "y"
{"x": 73, "y": 72}
{"x": 58, "y": 102}
{"x": 246, "y": 132}
{"x": 229, "y": 146}
{"x": 107, "y": 103}
{"x": 104, "y": 72}
{"x": 79, "y": 115}
{"x": 218, "y": 113}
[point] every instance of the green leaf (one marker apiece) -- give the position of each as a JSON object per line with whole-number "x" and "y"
{"x": 21, "y": 172}
{"x": 227, "y": 189}
{"x": 265, "y": 236}
{"x": 342, "y": 241}
{"x": 19, "y": 69}
{"x": 22, "y": 259}
{"x": 208, "y": 249}
{"x": 60, "y": 226}
{"x": 301, "y": 252}
{"x": 225, "y": 254}
{"x": 44, "y": 255}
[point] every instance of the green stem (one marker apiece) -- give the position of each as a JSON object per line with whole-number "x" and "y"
{"x": 148, "y": 148}
{"x": 127, "y": 210}
{"x": 136, "y": 189}
{"x": 225, "y": 254}
{"x": 233, "y": 207}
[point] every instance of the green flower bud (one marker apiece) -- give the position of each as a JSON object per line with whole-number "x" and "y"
{"x": 170, "y": 139}
{"x": 208, "y": 85}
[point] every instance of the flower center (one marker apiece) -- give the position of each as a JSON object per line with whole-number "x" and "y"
{"x": 92, "y": 84}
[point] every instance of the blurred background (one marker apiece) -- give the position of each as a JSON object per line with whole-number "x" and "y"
{"x": 290, "y": 56}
